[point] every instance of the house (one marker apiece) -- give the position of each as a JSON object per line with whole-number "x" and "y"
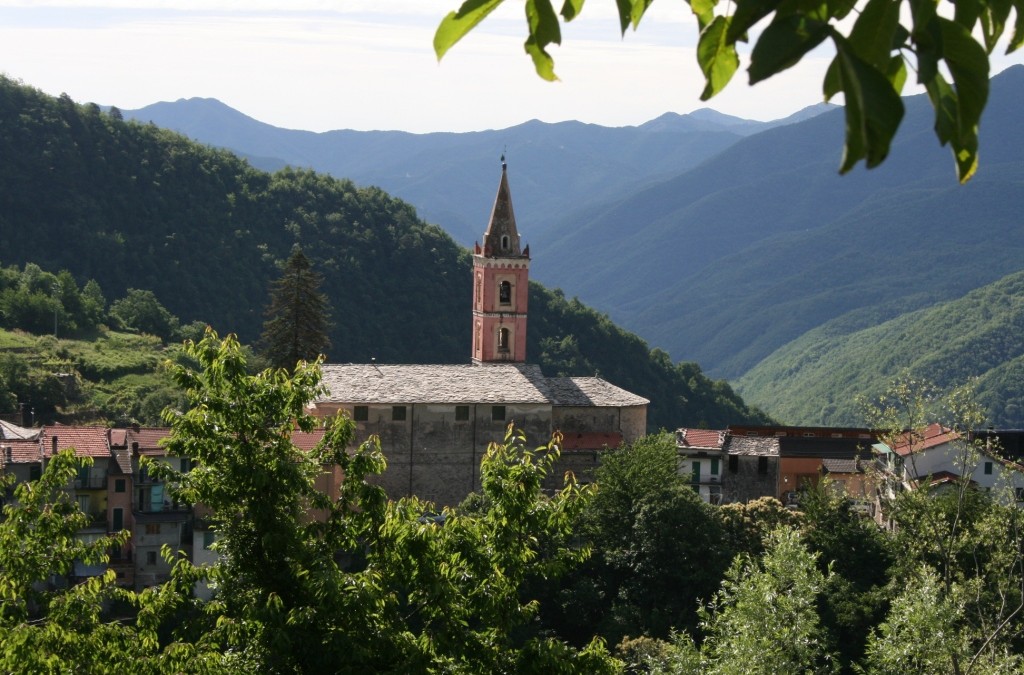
{"x": 435, "y": 422}
{"x": 701, "y": 457}
{"x": 940, "y": 456}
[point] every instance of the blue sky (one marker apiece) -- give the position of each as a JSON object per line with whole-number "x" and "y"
{"x": 364, "y": 64}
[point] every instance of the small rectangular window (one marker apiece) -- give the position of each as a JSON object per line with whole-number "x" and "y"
{"x": 762, "y": 465}
{"x": 734, "y": 463}
{"x": 498, "y": 413}
{"x": 361, "y": 413}
{"x": 208, "y": 538}
{"x": 398, "y": 413}
{"x": 461, "y": 413}
{"x": 988, "y": 468}
{"x": 714, "y": 466}
{"x": 1019, "y": 492}
{"x": 152, "y": 528}
{"x": 118, "y": 522}
{"x": 150, "y": 557}
{"x": 35, "y": 472}
{"x": 120, "y": 485}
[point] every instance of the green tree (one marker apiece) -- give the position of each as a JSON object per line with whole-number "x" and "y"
{"x": 875, "y": 44}
{"x": 47, "y": 625}
{"x": 764, "y": 619}
{"x": 141, "y": 311}
{"x": 297, "y": 317}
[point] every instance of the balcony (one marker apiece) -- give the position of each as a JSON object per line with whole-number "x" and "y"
{"x": 92, "y": 481}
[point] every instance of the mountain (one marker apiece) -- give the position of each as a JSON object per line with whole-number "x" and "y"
{"x": 727, "y": 262}
{"x": 131, "y": 205}
{"x": 447, "y": 175}
{"x": 817, "y": 378}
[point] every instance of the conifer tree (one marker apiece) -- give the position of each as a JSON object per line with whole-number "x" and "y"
{"x": 297, "y": 317}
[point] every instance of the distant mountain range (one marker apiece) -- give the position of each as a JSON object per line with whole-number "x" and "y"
{"x": 720, "y": 240}
{"x": 556, "y": 168}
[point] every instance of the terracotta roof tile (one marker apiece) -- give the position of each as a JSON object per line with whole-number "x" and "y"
{"x": 929, "y": 437}
{"x": 23, "y": 451}
{"x": 87, "y": 441}
{"x": 711, "y": 439}
{"x": 305, "y": 441}
{"x": 148, "y": 438}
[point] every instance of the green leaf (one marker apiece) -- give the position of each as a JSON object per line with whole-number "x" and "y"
{"x": 968, "y": 64}
{"x": 873, "y": 109}
{"x": 966, "y": 12}
{"x": 455, "y": 26}
{"x": 873, "y": 34}
{"x": 1018, "y": 29}
{"x": 544, "y": 30}
{"x": 783, "y": 43}
{"x": 704, "y": 10}
{"x": 625, "y": 8}
{"x": 571, "y": 9}
{"x": 717, "y": 57}
{"x": 748, "y": 13}
{"x": 993, "y": 21}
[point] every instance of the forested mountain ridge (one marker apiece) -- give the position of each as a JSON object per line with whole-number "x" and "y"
{"x": 134, "y": 206}
{"x": 766, "y": 241}
{"x": 558, "y": 167}
{"x": 817, "y": 378}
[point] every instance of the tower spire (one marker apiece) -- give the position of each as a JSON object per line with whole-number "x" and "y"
{"x": 501, "y": 270}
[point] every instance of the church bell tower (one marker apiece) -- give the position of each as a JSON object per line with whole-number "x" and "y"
{"x": 501, "y": 271}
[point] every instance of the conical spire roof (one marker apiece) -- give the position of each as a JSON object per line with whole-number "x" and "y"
{"x": 501, "y": 240}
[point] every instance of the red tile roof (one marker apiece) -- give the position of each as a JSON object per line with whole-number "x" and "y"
{"x": 929, "y": 437}
{"x": 87, "y": 441}
{"x": 148, "y": 438}
{"x": 700, "y": 438}
{"x": 305, "y": 441}
{"x": 23, "y": 451}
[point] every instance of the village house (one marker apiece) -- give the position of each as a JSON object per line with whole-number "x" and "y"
{"x": 436, "y": 421}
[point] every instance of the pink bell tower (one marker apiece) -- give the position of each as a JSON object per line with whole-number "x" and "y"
{"x": 501, "y": 274}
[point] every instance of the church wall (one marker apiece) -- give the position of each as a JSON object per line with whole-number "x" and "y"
{"x": 634, "y": 422}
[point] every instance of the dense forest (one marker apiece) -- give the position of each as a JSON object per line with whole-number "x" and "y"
{"x": 817, "y": 378}
{"x": 131, "y": 206}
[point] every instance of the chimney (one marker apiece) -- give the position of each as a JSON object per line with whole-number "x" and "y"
{"x": 135, "y": 447}
{"x": 53, "y": 444}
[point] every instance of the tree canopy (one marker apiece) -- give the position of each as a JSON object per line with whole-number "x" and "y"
{"x": 877, "y": 43}
{"x": 297, "y": 316}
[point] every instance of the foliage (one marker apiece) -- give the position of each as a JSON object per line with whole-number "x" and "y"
{"x": 297, "y": 316}
{"x": 47, "y": 625}
{"x": 648, "y": 582}
{"x": 873, "y": 54}
{"x": 764, "y": 619}
{"x": 140, "y": 310}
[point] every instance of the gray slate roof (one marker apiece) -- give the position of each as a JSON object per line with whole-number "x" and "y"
{"x": 752, "y": 445}
{"x": 469, "y": 383}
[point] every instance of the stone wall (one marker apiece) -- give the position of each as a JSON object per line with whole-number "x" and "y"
{"x": 747, "y": 482}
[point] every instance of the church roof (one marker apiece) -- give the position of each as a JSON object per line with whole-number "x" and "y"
{"x": 502, "y": 237}
{"x": 590, "y": 391}
{"x": 495, "y": 383}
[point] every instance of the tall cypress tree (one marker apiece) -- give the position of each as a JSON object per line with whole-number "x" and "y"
{"x": 298, "y": 316}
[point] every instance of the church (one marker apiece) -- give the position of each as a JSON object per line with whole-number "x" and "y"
{"x": 436, "y": 421}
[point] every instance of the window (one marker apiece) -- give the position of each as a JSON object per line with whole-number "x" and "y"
{"x": 498, "y": 413}
{"x": 208, "y": 538}
{"x": 988, "y": 468}
{"x": 150, "y": 557}
{"x": 83, "y": 503}
{"x": 505, "y": 293}
{"x": 694, "y": 471}
{"x": 734, "y": 463}
{"x": 186, "y": 464}
{"x": 762, "y": 465}
{"x": 117, "y": 523}
{"x": 35, "y": 472}
{"x": 398, "y": 413}
{"x": 120, "y": 485}
{"x": 461, "y": 413}
{"x": 1019, "y": 492}
{"x": 152, "y": 528}
{"x": 503, "y": 339}
{"x": 714, "y": 466}
{"x": 504, "y": 242}
{"x": 361, "y": 413}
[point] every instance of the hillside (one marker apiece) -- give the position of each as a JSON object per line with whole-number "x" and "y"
{"x": 447, "y": 176}
{"x": 729, "y": 261}
{"x": 815, "y": 379}
{"x": 134, "y": 206}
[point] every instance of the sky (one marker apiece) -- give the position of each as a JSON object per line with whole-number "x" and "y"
{"x": 369, "y": 64}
